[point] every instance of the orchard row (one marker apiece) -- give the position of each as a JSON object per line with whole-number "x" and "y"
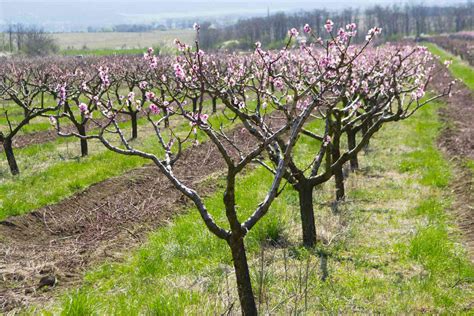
{"x": 337, "y": 93}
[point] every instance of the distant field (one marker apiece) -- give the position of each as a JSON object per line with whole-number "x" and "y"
{"x": 120, "y": 40}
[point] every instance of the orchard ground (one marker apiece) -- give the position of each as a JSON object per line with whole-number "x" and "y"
{"x": 108, "y": 42}
{"x": 393, "y": 247}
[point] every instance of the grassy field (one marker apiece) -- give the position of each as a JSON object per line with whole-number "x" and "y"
{"x": 391, "y": 248}
{"x": 459, "y": 68}
{"x": 120, "y": 40}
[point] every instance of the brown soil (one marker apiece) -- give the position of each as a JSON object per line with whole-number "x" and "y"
{"x": 457, "y": 140}
{"x": 102, "y": 223}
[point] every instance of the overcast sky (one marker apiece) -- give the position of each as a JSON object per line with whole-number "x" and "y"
{"x": 78, "y": 14}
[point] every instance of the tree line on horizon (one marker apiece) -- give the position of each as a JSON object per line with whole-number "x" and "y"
{"x": 397, "y": 22}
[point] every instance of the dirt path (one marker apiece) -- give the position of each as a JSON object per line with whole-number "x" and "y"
{"x": 457, "y": 140}
{"x": 101, "y": 223}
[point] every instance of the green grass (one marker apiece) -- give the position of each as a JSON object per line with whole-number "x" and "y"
{"x": 470, "y": 165}
{"x": 459, "y": 68}
{"x": 393, "y": 250}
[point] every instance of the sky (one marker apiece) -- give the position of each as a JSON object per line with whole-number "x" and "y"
{"x": 63, "y": 15}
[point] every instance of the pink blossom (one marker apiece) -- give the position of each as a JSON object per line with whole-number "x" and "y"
{"x": 373, "y": 32}
{"x": 154, "y": 109}
{"x": 143, "y": 85}
{"x": 204, "y": 117}
{"x": 327, "y": 140}
{"x": 83, "y": 107}
{"x": 198, "y": 118}
{"x": 278, "y": 83}
{"x": 103, "y": 74}
{"x": 131, "y": 96}
{"x": 307, "y": 28}
{"x": 302, "y": 105}
{"x": 181, "y": 46}
{"x": 258, "y": 45}
{"x": 149, "y": 95}
{"x": 418, "y": 94}
{"x": 351, "y": 27}
{"x": 62, "y": 94}
{"x": 343, "y": 36}
{"x": 329, "y": 25}
{"x": 179, "y": 72}
{"x": 293, "y": 32}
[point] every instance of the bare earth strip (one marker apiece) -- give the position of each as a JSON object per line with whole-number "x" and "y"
{"x": 457, "y": 140}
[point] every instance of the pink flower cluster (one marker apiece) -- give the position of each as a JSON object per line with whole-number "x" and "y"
{"x": 198, "y": 119}
{"x": 154, "y": 109}
{"x": 149, "y": 95}
{"x": 179, "y": 72}
{"x": 143, "y": 85}
{"x": 373, "y": 32}
{"x": 150, "y": 58}
{"x": 307, "y": 28}
{"x": 418, "y": 93}
{"x": 329, "y": 25}
{"x": 181, "y": 46}
{"x": 83, "y": 108}
{"x": 293, "y": 32}
{"x": 104, "y": 77}
{"x": 62, "y": 94}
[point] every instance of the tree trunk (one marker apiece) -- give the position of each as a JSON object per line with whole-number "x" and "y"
{"x": 339, "y": 179}
{"x": 214, "y": 105}
{"x": 336, "y": 154}
{"x": 7, "y": 146}
{"x": 84, "y": 149}
{"x": 195, "y": 101}
{"x": 338, "y": 173}
{"x": 134, "y": 125}
{"x": 305, "y": 193}
{"x": 351, "y": 141}
{"x": 244, "y": 284}
{"x": 365, "y": 128}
